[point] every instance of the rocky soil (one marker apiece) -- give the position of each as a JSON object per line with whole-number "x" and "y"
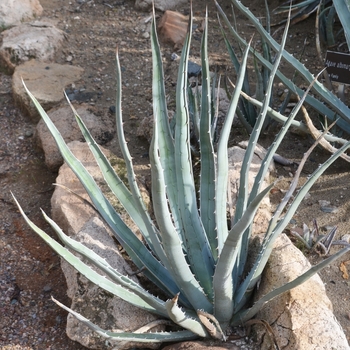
{"x": 29, "y": 271}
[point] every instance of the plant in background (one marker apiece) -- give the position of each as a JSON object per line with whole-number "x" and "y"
{"x": 313, "y": 240}
{"x": 327, "y": 11}
{"x": 323, "y": 101}
{"x": 301, "y": 10}
{"x": 190, "y": 252}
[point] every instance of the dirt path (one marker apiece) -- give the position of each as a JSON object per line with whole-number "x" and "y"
{"x": 29, "y": 271}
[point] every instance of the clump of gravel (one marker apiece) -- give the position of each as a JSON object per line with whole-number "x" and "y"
{"x": 23, "y": 310}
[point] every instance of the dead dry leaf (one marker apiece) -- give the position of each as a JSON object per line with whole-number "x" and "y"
{"x": 344, "y": 270}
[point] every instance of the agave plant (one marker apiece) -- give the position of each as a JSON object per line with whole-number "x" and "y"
{"x": 326, "y": 11}
{"x": 190, "y": 252}
{"x": 301, "y": 9}
{"x": 323, "y": 101}
{"x": 313, "y": 240}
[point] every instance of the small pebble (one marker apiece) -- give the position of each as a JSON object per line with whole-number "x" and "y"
{"x": 28, "y": 133}
{"x": 346, "y": 238}
{"x": 174, "y": 56}
{"x": 47, "y": 289}
{"x": 324, "y": 203}
{"x": 193, "y": 69}
{"x": 329, "y": 209}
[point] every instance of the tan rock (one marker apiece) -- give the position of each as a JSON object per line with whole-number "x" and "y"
{"x": 68, "y": 210}
{"x": 172, "y": 28}
{"x": 101, "y": 130}
{"x": 100, "y": 307}
{"x": 301, "y": 318}
{"x": 46, "y": 81}
{"x": 38, "y": 40}
{"x": 14, "y": 12}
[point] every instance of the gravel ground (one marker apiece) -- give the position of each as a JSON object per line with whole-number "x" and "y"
{"x": 29, "y": 271}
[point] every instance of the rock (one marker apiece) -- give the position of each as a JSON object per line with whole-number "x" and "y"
{"x": 82, "y": 224}
{"x": 68, "y": 211}
{"x": 46, "y": 81}
{"x": 38, "y": 40}
{"x": 81, "y": 95}
{"x": 202, "y": 345}
{"x": 101, "y": 130}
{"x": 62, "y": 202}
{"x": 172, "y": 28}
{"x": 193, "y": 69}
{"x": 93, "y": 302}
{"x": 14, "y": 12}
{"x": 162, "y": 5}
{"x": 301, "y": 318}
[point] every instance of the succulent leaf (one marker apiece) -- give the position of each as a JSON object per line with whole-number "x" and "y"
{"x": 132, "y": 336}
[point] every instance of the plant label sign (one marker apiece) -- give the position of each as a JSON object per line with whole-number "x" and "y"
{"x": 338, "y": 66}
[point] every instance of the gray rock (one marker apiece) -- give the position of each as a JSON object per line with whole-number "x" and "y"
{"x": 63, "y": 118}
{"x": 46, "y": 81}
{"x": 14, "y": 12}
{"x": 38, "y": 40}
{"x": 161, "y": 5}
{"x": 81, "y": 223}
{"x": 301, "y": 318}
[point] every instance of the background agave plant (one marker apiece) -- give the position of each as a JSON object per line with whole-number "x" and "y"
{"x": 327, "y": 105}
{"x": 327, "y": 11}
{"x": 190, "y": 252}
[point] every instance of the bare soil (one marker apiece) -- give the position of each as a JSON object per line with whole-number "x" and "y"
{"x": 29, "y": 271}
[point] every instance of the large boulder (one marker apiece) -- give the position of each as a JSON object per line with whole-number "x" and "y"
{"x": 46, "y": 81}
{"x": 81, "y": 222}
{"x": 38, "y": 40}
{"x": 301, "y": 318}
{"x": 14, "y": 12}
{"x": 101, "y": 130}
